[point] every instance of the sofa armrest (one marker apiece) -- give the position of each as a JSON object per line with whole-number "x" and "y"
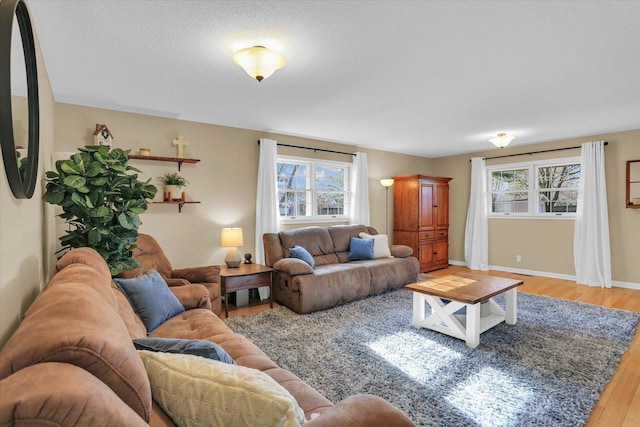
{"x": 208, "y": 274}
{"x": 359, "y": 411}
{"x": 177, "y": 282}
{"x": 192, "y": 296}
{"x": 61, "y": 394}
{"x": 401, "y": 251}
{"x": 293, "y": 266}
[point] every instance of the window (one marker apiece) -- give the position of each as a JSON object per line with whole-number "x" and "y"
{"x": 546, "y": 188}
{"x": 310, "y": 189}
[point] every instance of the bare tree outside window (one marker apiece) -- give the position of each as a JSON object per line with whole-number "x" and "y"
{"x": 293, "y": 189}
{"x": 310, "y": 189}
{"x": 330, "y": 190}
{"x": 547, "y": 187}
{"x": 510, "y": 190}
{"x": 562, "y": 182}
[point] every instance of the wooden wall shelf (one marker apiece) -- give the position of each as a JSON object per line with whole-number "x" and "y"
{"x": 167, "y": 197}
{"x": 180, "y": 203}
{"x": 178, "y": 160}
{"x": 632, "y": 181}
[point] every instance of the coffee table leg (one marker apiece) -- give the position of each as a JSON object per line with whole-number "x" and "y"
{"x": 511, "y": 306}
{"x": 473, "y": 325}
{"x": 418, "y": 310}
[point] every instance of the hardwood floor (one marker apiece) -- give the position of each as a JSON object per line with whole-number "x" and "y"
{"x": 619, "y": 403}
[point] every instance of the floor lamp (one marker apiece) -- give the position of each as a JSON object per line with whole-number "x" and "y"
{"x": 386, "y": 183}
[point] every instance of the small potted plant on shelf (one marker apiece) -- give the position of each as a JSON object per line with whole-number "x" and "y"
{"x": 173, "y": 185}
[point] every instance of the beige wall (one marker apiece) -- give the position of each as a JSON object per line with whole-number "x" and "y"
{"x": 23, "y": 266}
{"x": 547, "y": 245}
{"x": 224, "y": 181}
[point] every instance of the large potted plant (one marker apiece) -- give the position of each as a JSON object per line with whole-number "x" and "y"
{"x": 101, "y": 202}
{"x": 174, "y": 185}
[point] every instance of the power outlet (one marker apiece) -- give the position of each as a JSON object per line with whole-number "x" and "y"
{"x": 518, "y": 258}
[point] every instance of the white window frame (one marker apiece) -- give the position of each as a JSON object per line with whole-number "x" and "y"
{"x": 533, "y": 190}
{"x": 315, "y": 218}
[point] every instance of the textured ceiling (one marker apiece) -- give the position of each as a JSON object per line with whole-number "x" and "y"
{"x": 428, "y": 78}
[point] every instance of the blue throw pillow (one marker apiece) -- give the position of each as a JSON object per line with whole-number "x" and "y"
{"x": 360, "y": 249}
{"x": 151, "y": 299}
{"x": 301, "y": 253}
{"x": 202, "y": 348}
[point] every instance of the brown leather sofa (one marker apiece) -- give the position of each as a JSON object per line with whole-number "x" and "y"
{"x": 335, "y": 280}
{"x": 150, "y": 255}
{"x": 71, "y": 362}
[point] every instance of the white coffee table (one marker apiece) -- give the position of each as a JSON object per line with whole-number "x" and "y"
{"x": 448, "y": 294}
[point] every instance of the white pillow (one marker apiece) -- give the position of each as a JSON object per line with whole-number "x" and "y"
{"x": 195, "y": 391}
{"x": 380, "y": 244}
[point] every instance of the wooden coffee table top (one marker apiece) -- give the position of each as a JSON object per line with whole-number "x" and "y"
{"x": 465, "y": 287}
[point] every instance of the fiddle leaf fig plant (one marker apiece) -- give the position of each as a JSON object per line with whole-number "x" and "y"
{"x": 101, "y": 202}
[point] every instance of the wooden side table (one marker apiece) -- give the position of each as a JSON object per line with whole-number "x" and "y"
{"x": 246, "y": 276}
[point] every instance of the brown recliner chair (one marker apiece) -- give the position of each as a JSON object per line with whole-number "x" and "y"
{"x": 150, "y": 255}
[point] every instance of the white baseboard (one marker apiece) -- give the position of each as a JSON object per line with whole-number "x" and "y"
{"x": 615, "y": 283}
{"x": 533, "y": 272}
{"x": 627, "y": 285}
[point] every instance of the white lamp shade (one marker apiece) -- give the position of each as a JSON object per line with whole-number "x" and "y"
{"x": 258, "y": 61}
{"x": 501, "y": 140}
{"x": 231, "y": 237}
{"x": 386, "y": 182}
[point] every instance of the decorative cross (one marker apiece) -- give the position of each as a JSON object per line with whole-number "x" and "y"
{"x": 180, "y": 142}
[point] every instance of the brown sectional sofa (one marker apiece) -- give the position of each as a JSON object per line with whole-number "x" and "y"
{"x": 71, "y": 362}
{"x": 335, "y": 280}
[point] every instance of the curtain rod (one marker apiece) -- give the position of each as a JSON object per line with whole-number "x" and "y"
{"x": 313, "y": 149}
{"x": 535, "y": 152}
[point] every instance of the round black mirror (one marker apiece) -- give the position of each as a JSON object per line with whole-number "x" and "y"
{"x": 20, "y": 166}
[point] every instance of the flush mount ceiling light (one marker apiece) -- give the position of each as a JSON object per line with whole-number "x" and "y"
{"x": 258, "y": 61}
{"x": 502, "y": 140}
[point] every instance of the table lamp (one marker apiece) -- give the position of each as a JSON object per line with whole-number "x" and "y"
{"x": 232, "y": 238}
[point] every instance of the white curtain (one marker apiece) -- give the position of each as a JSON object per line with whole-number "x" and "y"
{"x": 591, "y": 250}
{"x": 267, "y": 213}
{"x": 476, "y": 235}
{"x": 360, "y": 190}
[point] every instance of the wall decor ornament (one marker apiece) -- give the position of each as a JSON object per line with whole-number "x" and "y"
{"x": 180, "y": 142}
{"x": 102, "y": 136}
{"x": 22, "y": 184}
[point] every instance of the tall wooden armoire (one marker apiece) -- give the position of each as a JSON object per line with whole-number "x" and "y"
{"x": 421, "y": 218}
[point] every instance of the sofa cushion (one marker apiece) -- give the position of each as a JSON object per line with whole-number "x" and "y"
{"x": 131, "y": 320}
{"x": 151, "y": 298}
{"x": 341, "y": 236}
{"x": 328, "y": 286}
{"x": 202, "y": 348}
{"x": 390, "y": 273}
{"x": 360, "y": 249}
{"x": 316, "y": 240}
{"x": 71, "y": 322}
{"x": 200, "y": 392}
{"x": 301, "y": 253}
{"x": 380, "y": 244}
{"x": 86, "y": 256}
{"x": 150, "y": 256}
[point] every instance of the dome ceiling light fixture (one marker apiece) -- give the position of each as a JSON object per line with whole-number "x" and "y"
{"x": 258, "y": 61}
{"x": 502, "y": 140}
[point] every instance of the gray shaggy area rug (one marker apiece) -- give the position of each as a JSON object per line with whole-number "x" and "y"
{"x": 546, "y": 370}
